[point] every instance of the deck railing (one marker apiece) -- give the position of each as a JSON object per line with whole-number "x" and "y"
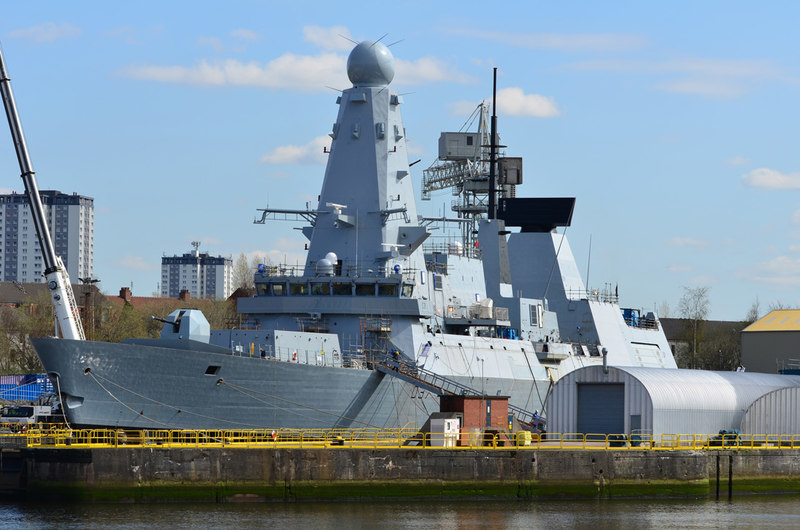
{"x": 408, "y": 437}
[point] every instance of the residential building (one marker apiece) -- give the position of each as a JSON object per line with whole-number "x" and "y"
{"x": 202, "y": 275}
{"x": 70, "y": 219}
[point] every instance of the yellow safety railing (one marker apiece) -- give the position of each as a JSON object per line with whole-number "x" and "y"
{"x": 369, "y": 438}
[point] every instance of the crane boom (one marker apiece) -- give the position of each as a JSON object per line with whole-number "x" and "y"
{"x": 66, "y": 309}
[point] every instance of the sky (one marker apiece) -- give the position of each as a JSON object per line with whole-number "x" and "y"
{"x": 673, "y": 124}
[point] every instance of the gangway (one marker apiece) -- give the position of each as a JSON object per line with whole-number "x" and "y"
{"x": 439, "y": 384}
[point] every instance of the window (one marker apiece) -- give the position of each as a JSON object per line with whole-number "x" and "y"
{"x": 365, "y": 289}
{"x": 298, "y": 289}
{"x": 387, "y": 289}
{"x": 342, "y": 288}
{"x": 319, "y": 288}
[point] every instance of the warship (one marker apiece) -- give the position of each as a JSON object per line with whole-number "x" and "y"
{"x": 388, "y": 313}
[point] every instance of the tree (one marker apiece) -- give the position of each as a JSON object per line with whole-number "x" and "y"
{"x": 777, "y": 305}
{"x": 753, "y": 312}
{"x": 242, "y": 274}
{"x": 693, "y": 306}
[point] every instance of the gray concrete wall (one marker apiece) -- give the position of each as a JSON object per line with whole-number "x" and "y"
{"x": 214, "y": 474}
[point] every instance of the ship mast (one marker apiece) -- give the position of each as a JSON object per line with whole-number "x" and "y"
{"x": 66, "y": 309}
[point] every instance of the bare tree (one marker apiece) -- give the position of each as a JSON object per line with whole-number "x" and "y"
{"x": 242, "y": 273}
{"x": 753, "y": 312}
{"x": 777, "y": 305}
{"x": 663, "y": 309}
{"x": 694, "y": 307}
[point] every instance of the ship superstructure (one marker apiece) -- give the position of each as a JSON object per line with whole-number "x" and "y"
{"x": 376, "y": 290}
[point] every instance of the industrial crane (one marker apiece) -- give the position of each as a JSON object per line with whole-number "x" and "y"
{"x": 66, "y": 309}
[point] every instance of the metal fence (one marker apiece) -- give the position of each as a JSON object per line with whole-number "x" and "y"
{"x": 52, "y": 436}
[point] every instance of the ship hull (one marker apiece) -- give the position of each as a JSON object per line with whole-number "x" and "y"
{"x": 138, "y": 386}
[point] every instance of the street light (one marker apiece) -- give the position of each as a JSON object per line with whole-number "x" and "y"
{"x": 87, "y": 294}
{"x": 483, "y": 393}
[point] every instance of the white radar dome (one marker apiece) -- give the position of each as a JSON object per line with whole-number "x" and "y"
{"x": 332, "y": 257}
{"x": 370, "y": 64}
{"x": 325, "y": 267}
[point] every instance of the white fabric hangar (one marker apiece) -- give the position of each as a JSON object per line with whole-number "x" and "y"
{"x": 631, "y": 400}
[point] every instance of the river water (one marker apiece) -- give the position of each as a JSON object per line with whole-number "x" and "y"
{"x": 771, "y": 512}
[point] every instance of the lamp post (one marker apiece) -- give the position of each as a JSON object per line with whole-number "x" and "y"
{"x": 87, "y": 296}
{"x": 483, "y": 393}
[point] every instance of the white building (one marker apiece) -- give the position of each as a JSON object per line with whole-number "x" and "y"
{"x": 70, "y": 219}
{"x": 202, "y": 275}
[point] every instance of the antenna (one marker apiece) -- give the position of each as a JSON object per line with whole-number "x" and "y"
{"x": 492, "y": 151}
{"x": 589, "y": 263}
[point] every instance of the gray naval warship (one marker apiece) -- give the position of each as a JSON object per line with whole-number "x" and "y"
{"x": 384, "y": 317}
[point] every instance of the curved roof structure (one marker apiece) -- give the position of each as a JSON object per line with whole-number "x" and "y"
{"x": 664, "y": 401}
{"x": 774, "y": 413}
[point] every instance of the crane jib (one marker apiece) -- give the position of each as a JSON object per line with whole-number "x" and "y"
{"x": 61, "y": 295}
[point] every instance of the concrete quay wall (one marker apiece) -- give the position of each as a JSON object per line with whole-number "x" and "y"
{"x": 223, "y": 474}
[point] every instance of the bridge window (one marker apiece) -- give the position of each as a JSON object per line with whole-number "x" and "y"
{"x": 408, "y": 290}
{"x": 365, "y": 289}
{"x": 342, "y": 288}
{"x": 262, "y": 289}
{"x": 387, "y": 289}
{"x": 319, "y": 288}
{"x": 279, "y": 289}
{"x": 296, "y": 289}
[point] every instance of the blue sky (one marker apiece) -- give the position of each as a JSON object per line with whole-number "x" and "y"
{"x": 673, "y": 124}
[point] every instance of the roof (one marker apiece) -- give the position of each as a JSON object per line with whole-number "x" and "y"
{"x": 778, "y": 320}
{"x": 702, "y": 389}
{"x": 16, "y": 293}
{"x": 675, "y": 328}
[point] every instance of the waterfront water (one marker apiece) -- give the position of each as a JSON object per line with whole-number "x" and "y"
{"x": 746, "y": 512}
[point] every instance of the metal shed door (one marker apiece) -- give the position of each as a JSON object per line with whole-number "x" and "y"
{"x": 601, "y": 408}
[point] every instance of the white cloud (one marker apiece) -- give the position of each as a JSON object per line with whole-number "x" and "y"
{"x": 514, "y": 102}
{"x": 336, "y": 38}
{"x": 737, "y": 161}
{"x": 289, "y": 71}
{"x": 135, "y": 263}
{"x": 135, "y": 35}
{"x": 704, "y": 67}
{"x": 688, "y": 242}
{"x": 705, "y": 77}
{"x": 5, "y": 191}
{"x": 310, "y": 153}
{"x": 427, "y": 70}
{"x": 47, "y": 32}
{"x": 283, "y": 251}
{"x": 770, "y": 179}
{"x": 560, "y": 41}
{"x": 716, "y": 88}
{"x": 781, "y": 270}
{"x": 245, "y": 34}
{"x": 215, "y": 43}
{"x": 462, "y": 108}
